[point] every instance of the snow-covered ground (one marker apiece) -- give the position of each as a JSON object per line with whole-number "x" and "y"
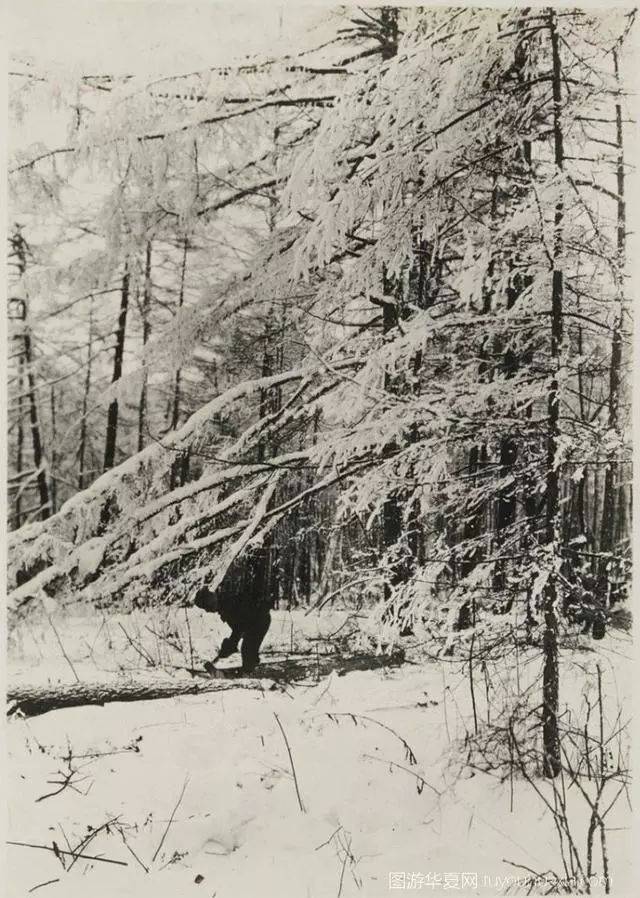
{"x": 200, "y": 796}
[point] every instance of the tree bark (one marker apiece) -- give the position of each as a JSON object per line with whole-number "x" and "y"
{"x": 175, "y": 412}
{"x": 19, "y": 445}
{"x": 550, "y": 684}
{"x": 390, "y": 32}
{"x": 607, "y": 536}
{"x": 146, "y": 331}
{"x": 392, "y": 525}
{"x": 19, "y": 250}
{"x": 33, "y": 699}
{"x": 112, "y": 414}
{"x": 82, "y": 449}
{"x": 54, "y": 460}
{"x": 36, "y": 438}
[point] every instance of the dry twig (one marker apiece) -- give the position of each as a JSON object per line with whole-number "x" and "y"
{"x": 293, "y": 769}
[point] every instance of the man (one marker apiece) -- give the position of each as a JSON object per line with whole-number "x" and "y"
{"x": 249, "y": 622}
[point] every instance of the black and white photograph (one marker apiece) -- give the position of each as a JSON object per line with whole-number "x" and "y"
{"x": 318, "y": 449}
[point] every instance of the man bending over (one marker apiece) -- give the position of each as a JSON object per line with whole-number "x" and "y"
{"x": 249, "y": 622}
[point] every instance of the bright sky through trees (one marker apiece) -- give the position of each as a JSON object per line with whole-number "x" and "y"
{"x": 154, "y": 36}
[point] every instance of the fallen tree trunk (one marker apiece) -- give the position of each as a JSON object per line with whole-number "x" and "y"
{"x": 31, "y": 699}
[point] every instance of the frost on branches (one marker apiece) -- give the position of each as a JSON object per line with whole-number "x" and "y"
{"x": 422, "y": 353}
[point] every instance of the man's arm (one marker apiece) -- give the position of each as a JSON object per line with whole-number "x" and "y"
{"x": 229, "y": 645}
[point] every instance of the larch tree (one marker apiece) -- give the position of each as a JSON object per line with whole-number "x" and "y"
{"x": 449, "y": 247}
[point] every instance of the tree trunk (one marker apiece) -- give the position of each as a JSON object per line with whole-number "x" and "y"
{"x": 146, "y": 331}
{"x": 82, "y": 449}
{"x": 550, "y": 685}
{"x": 112, "y": 414}
{"x": 391, "y": 510}
{"x": 389, "y": 32}
{"x": 175, "y": 413}
{"x": 471, "y": 530}
{"x": 19, "y": 250}
{"x": 38, "y": 458}
{"x": 34, "y": 699}
{"x": 19, "y": 445}
{"x": 607, "y": 536}
{"x": 392, "y": 525}
{"x": 512, "y": 356}
{"x": 54, "y": 460}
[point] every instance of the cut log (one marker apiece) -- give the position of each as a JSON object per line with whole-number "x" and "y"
{"x": 31, "y": 699}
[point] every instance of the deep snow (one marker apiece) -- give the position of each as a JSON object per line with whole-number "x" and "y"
{"x": 238, "y": 829}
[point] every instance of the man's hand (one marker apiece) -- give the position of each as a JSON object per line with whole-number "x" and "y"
{"x": 229, "y": 647}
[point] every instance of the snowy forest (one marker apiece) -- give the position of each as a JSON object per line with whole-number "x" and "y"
{"x": 319, "y": 461}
